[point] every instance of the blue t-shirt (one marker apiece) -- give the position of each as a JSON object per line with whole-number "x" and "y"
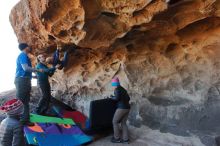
{"x": 23, "y": 59}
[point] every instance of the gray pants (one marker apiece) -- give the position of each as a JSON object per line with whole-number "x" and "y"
{"x": 23, "y": 90}
{"x": 120, "y": 117}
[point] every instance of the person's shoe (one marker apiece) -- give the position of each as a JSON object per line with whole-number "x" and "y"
{"x": 41, "y": 113}
{"x": 114, "y": 140}
{"x": 27, "y": 123}
{"x": 36, "y": 111}
{"x": 125, "y": 141}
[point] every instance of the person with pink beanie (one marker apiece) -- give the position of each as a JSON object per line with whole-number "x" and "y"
{"x": 11, "y": 130}
{"x": 121, "y": 114}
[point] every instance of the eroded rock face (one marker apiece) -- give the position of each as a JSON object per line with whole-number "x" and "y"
{"x": 166, "y": 53}
{"x": 43, "y": 23}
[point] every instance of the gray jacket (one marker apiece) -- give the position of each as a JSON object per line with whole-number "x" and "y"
{"x": 11, "y": 132}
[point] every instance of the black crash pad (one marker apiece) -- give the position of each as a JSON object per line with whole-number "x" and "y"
{"x": 101, "y": 113}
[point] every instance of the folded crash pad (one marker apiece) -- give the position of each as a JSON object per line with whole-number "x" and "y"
{"x": 44, "y": 119}
{"x": 101, "y": 113}
{"x": 55, "y": 135}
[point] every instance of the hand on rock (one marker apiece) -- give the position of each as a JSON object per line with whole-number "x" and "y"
{"x": 57, "y": 66}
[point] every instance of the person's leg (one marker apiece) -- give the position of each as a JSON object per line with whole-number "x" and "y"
{"x": 65, "y": 59}
{"x": 56, "y": 57}
{"x": 124, "y": 126}
{"x": 40, "y": 105}
{"x": 45, "y": 100}
{"x": 119, "y": 114}
{"x": 47, "y": 96}
{"x": 23, "y": 89}
{"x": 115, "y": 122}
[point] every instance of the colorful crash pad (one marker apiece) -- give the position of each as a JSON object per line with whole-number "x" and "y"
{"x": 55, "y": 135}
{"x": 44, "y": 119}
{"x": 65, "y": 140}
{"x": 79, "y": 118}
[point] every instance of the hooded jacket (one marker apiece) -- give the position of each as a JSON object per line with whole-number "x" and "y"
{"x": 11, "y": 132}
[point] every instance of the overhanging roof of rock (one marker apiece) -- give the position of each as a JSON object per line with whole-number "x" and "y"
{"x": 98, "y": 23}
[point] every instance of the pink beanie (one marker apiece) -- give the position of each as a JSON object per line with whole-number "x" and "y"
{"x": 115, "y": 82}
{"x": 12, "y": 107}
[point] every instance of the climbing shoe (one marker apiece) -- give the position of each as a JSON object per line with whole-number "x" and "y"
{"x": 125, "y": 141}
{"x": 114, "y": 140}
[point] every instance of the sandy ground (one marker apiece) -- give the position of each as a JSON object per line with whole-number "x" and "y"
{"x": 145, "y": 136}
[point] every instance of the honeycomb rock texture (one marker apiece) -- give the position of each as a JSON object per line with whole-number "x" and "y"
{"x": 166, "y": 53}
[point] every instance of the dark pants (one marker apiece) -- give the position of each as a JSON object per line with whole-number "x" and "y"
{"x": 23, "y": 90}
{"x": 43, "y": 105}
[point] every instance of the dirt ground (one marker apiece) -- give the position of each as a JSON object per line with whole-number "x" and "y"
{"x": 145, "y": 136}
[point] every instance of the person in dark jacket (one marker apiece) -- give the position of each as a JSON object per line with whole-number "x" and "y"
{"x": 121, "y": 114}
{"x": 11, "y": 130}
{"x": 23, "y": 80}
{"x": 43, "y": 83}
{"x": 56, "y": 61}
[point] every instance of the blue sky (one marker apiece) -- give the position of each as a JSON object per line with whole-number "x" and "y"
{"x": 9, "y": 49}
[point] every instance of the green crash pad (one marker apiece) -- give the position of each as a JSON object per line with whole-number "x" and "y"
{"x": 44, "y": 119}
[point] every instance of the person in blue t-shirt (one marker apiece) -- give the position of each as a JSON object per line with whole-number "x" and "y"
{"x": 43, "y": 83}
{"x": 23, "y": 80}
